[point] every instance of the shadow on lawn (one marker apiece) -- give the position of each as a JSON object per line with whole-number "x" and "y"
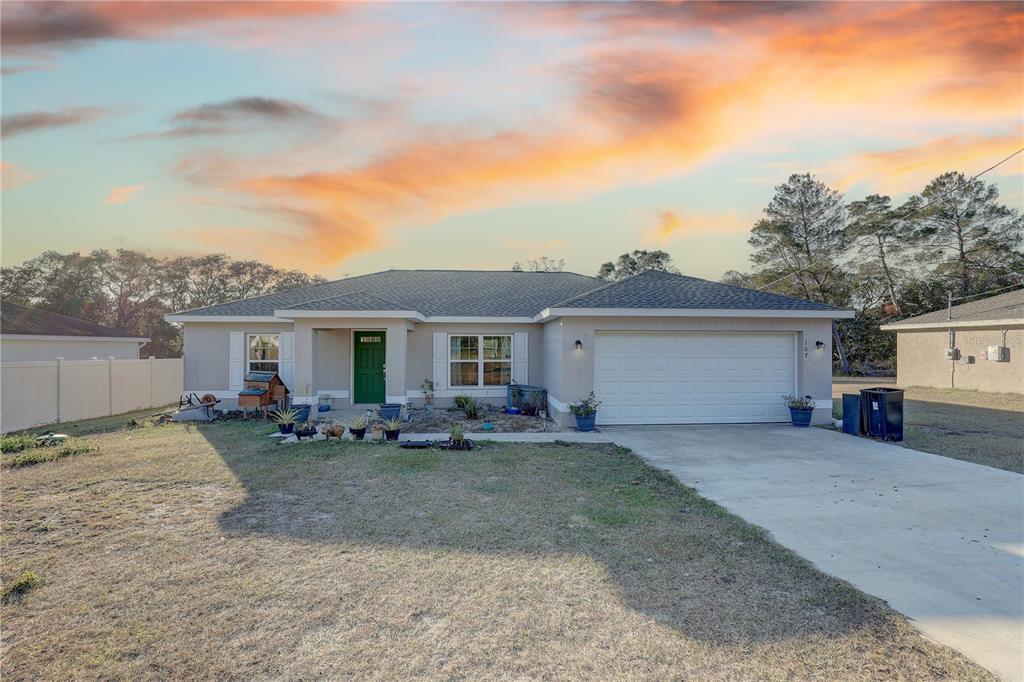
{"x": 670, "y": 554}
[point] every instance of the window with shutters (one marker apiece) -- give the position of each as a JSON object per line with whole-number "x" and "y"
{"x": 480, "y": 360}
{"x": 263, "y": 353}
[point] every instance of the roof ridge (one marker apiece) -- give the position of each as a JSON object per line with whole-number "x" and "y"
{"x": 619, "y": 281}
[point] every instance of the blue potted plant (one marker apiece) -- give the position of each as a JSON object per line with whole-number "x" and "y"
{"x": 586, "y": 412}
{"x": 800, "y": 409}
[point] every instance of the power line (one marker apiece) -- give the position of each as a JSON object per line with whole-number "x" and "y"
{"x": 904, "y": 216}
{"x": 990, "y": 291}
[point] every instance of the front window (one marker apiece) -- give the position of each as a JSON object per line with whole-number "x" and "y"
{"x": 480, "y": 360}
{"x": 263, "y": 353}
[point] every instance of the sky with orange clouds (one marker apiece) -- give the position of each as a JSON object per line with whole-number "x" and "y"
{"x": 349, "y": 138}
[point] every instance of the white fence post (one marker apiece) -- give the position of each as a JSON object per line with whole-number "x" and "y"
{"x": 110, "y": 385}
{"x": 60, "y": 366}
{"x": 152, "y": 382}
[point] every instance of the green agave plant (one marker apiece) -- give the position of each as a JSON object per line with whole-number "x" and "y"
{"x": 284, "y": 417}
{"x": 392, "y": 424}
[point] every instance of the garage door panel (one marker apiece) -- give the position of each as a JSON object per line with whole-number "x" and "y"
{"x": 686, "y": 378}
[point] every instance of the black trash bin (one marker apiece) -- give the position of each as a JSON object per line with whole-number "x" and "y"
{"x": 852, "y": 417}
{"x": 882, "y": 412}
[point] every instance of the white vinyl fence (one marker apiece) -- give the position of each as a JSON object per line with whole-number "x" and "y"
{"x": 50, "y": 391}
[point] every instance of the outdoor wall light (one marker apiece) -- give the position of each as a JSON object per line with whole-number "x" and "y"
{"x": 579, "y": 345}
{"x": 819, "y": 344}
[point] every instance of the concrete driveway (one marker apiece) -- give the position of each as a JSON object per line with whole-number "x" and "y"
{"x": 941, "y": 540}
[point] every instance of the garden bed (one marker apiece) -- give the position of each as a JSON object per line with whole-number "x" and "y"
{"x": 440, "y": 420}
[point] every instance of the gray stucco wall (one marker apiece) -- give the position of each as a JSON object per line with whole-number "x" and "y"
{"x": 921, "y": 361}
{"x": 20, "y": 350}
{"x": 814, "y": 367}
{"x": 421, "y": 354}
{"x": 207, "y": 351}
{"x": 333, "y": 361}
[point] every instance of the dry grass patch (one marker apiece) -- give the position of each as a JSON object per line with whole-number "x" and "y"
{"x": 209, "y": 551}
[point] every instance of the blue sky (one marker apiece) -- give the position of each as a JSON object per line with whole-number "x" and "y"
{"x": 349, "y": 138}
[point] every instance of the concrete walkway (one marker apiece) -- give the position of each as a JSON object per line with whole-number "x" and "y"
{"x": 941, "y": 540}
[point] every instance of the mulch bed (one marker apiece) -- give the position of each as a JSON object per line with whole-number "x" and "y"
{"x": 440, "y": 420}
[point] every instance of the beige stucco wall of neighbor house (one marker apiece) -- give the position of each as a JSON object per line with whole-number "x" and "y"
{"x": 421, "y": 358}
{"x": 921, "y": 361}
{"x": 814, "y": 367}
{"x": 42, "y": 348}
{"x": 207, "y": 351}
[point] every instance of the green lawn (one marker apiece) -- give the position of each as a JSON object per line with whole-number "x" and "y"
{"x": 208, "y": 551}
{"x": 984, "y": 428}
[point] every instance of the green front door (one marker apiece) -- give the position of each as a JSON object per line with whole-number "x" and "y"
{"x": 369, "y": 367}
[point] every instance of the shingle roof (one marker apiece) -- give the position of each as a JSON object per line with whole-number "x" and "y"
{"x": 490, "y": 293}
{"x": 16, "y": 319}
{"x": 657, "y": 289}
{"x": 1008, "y": 306}
{"x": 462, "y": 293}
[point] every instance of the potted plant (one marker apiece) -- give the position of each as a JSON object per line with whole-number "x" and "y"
{"x": 586, "y": 412}
{"x": 390, "y": 410}
{"x": 428, "y": 394}
{"x": 285, "y": 420}
{"x": 800, "y": 409}
{"x": 457, "y": 437}
{"x": 358, "y": 427}
{"x": 392, "y": 427}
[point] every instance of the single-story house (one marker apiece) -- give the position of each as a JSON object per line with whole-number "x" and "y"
{"x": 28, "y": 334}
{"x": 657, "y": 348}
{"x": 977, "y": 345}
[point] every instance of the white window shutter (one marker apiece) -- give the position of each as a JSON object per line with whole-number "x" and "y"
{"x": 521, "y": 370}
{"x": 236, "y": 360}
{"x": 286, "y": 358}
{"x": 440, "y": 361}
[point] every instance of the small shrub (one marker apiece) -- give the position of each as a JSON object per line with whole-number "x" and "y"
{"x": 20, "y": 587}
{"x": 471, "y": 408}
{"x": 457, "y": 432}
{"x": 17, "y": 443}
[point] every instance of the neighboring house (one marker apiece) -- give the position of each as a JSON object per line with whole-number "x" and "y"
{"x": 977, "y": 345}
{"x": 33, "y": 334}
{"x": 657, "y": 348}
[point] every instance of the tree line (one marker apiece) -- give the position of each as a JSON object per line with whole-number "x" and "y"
{"x": 132, "y": 291}
{"x": 885, "y": 261}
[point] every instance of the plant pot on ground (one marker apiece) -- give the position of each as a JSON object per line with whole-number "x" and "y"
{"x": 285, "y": 420}
{"x": 800, "y": 409}
{"x": 585, "y": 412}
{"x": 457, "y": 437}
{"x": 358, "y": 427}
{"x": 392, "y": 427}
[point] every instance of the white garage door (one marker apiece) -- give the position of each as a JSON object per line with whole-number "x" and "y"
{"x": 690, "y": 378}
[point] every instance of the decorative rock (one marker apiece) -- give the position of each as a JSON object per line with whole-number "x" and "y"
{"x": 318, "y": 436}
{"x": 289, "y": 440}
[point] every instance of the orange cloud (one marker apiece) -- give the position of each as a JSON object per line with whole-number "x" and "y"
{"x": 12, "y": 175}
{"x": 642, "y": 114}
{"x": 672, "y": 224}
{"x": 121, "y": 195}
{"x": 910, "y": 168}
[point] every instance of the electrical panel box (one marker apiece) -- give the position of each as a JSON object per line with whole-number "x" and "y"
{"x": 952, "y": 353}
{"x": 999, "y": 353}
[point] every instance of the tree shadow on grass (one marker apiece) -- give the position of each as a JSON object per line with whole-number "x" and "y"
{"x": 974, "y": 434}
{"x": 670, "y": 554}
